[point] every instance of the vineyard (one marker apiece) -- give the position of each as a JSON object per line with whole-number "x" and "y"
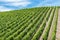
{"x": 29, "y": 24}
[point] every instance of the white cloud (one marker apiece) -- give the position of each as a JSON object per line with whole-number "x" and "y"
{"x": 22, "y": 3}
{"x": 11, "y": 0}
{"x": 2, "y": 8}
{"x": 13, "y": 3}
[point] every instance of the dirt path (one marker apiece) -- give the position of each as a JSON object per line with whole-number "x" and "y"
{"x": 58, "y": 27}
{"x": 45, "y": 29}
{"x": 51, "y": 30}
{"x": 52, "y": 27}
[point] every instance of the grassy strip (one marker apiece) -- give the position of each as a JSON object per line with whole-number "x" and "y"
{"x": 40, "y": 30}
{"x": 45, "y": 34}
{"x": 55, "y": 25}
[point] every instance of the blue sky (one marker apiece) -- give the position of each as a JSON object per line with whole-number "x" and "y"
{"x": 7, "y": 5}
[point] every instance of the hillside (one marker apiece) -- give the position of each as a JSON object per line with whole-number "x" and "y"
{"x": 29, "y": 24}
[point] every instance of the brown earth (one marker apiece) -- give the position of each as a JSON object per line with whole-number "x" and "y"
{"x": 58, "y": 27}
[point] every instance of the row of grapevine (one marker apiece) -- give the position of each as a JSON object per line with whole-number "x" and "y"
{"x": 28, "y": 24}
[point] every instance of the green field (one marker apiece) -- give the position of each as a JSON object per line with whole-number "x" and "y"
{"x": 29, "y": 24}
